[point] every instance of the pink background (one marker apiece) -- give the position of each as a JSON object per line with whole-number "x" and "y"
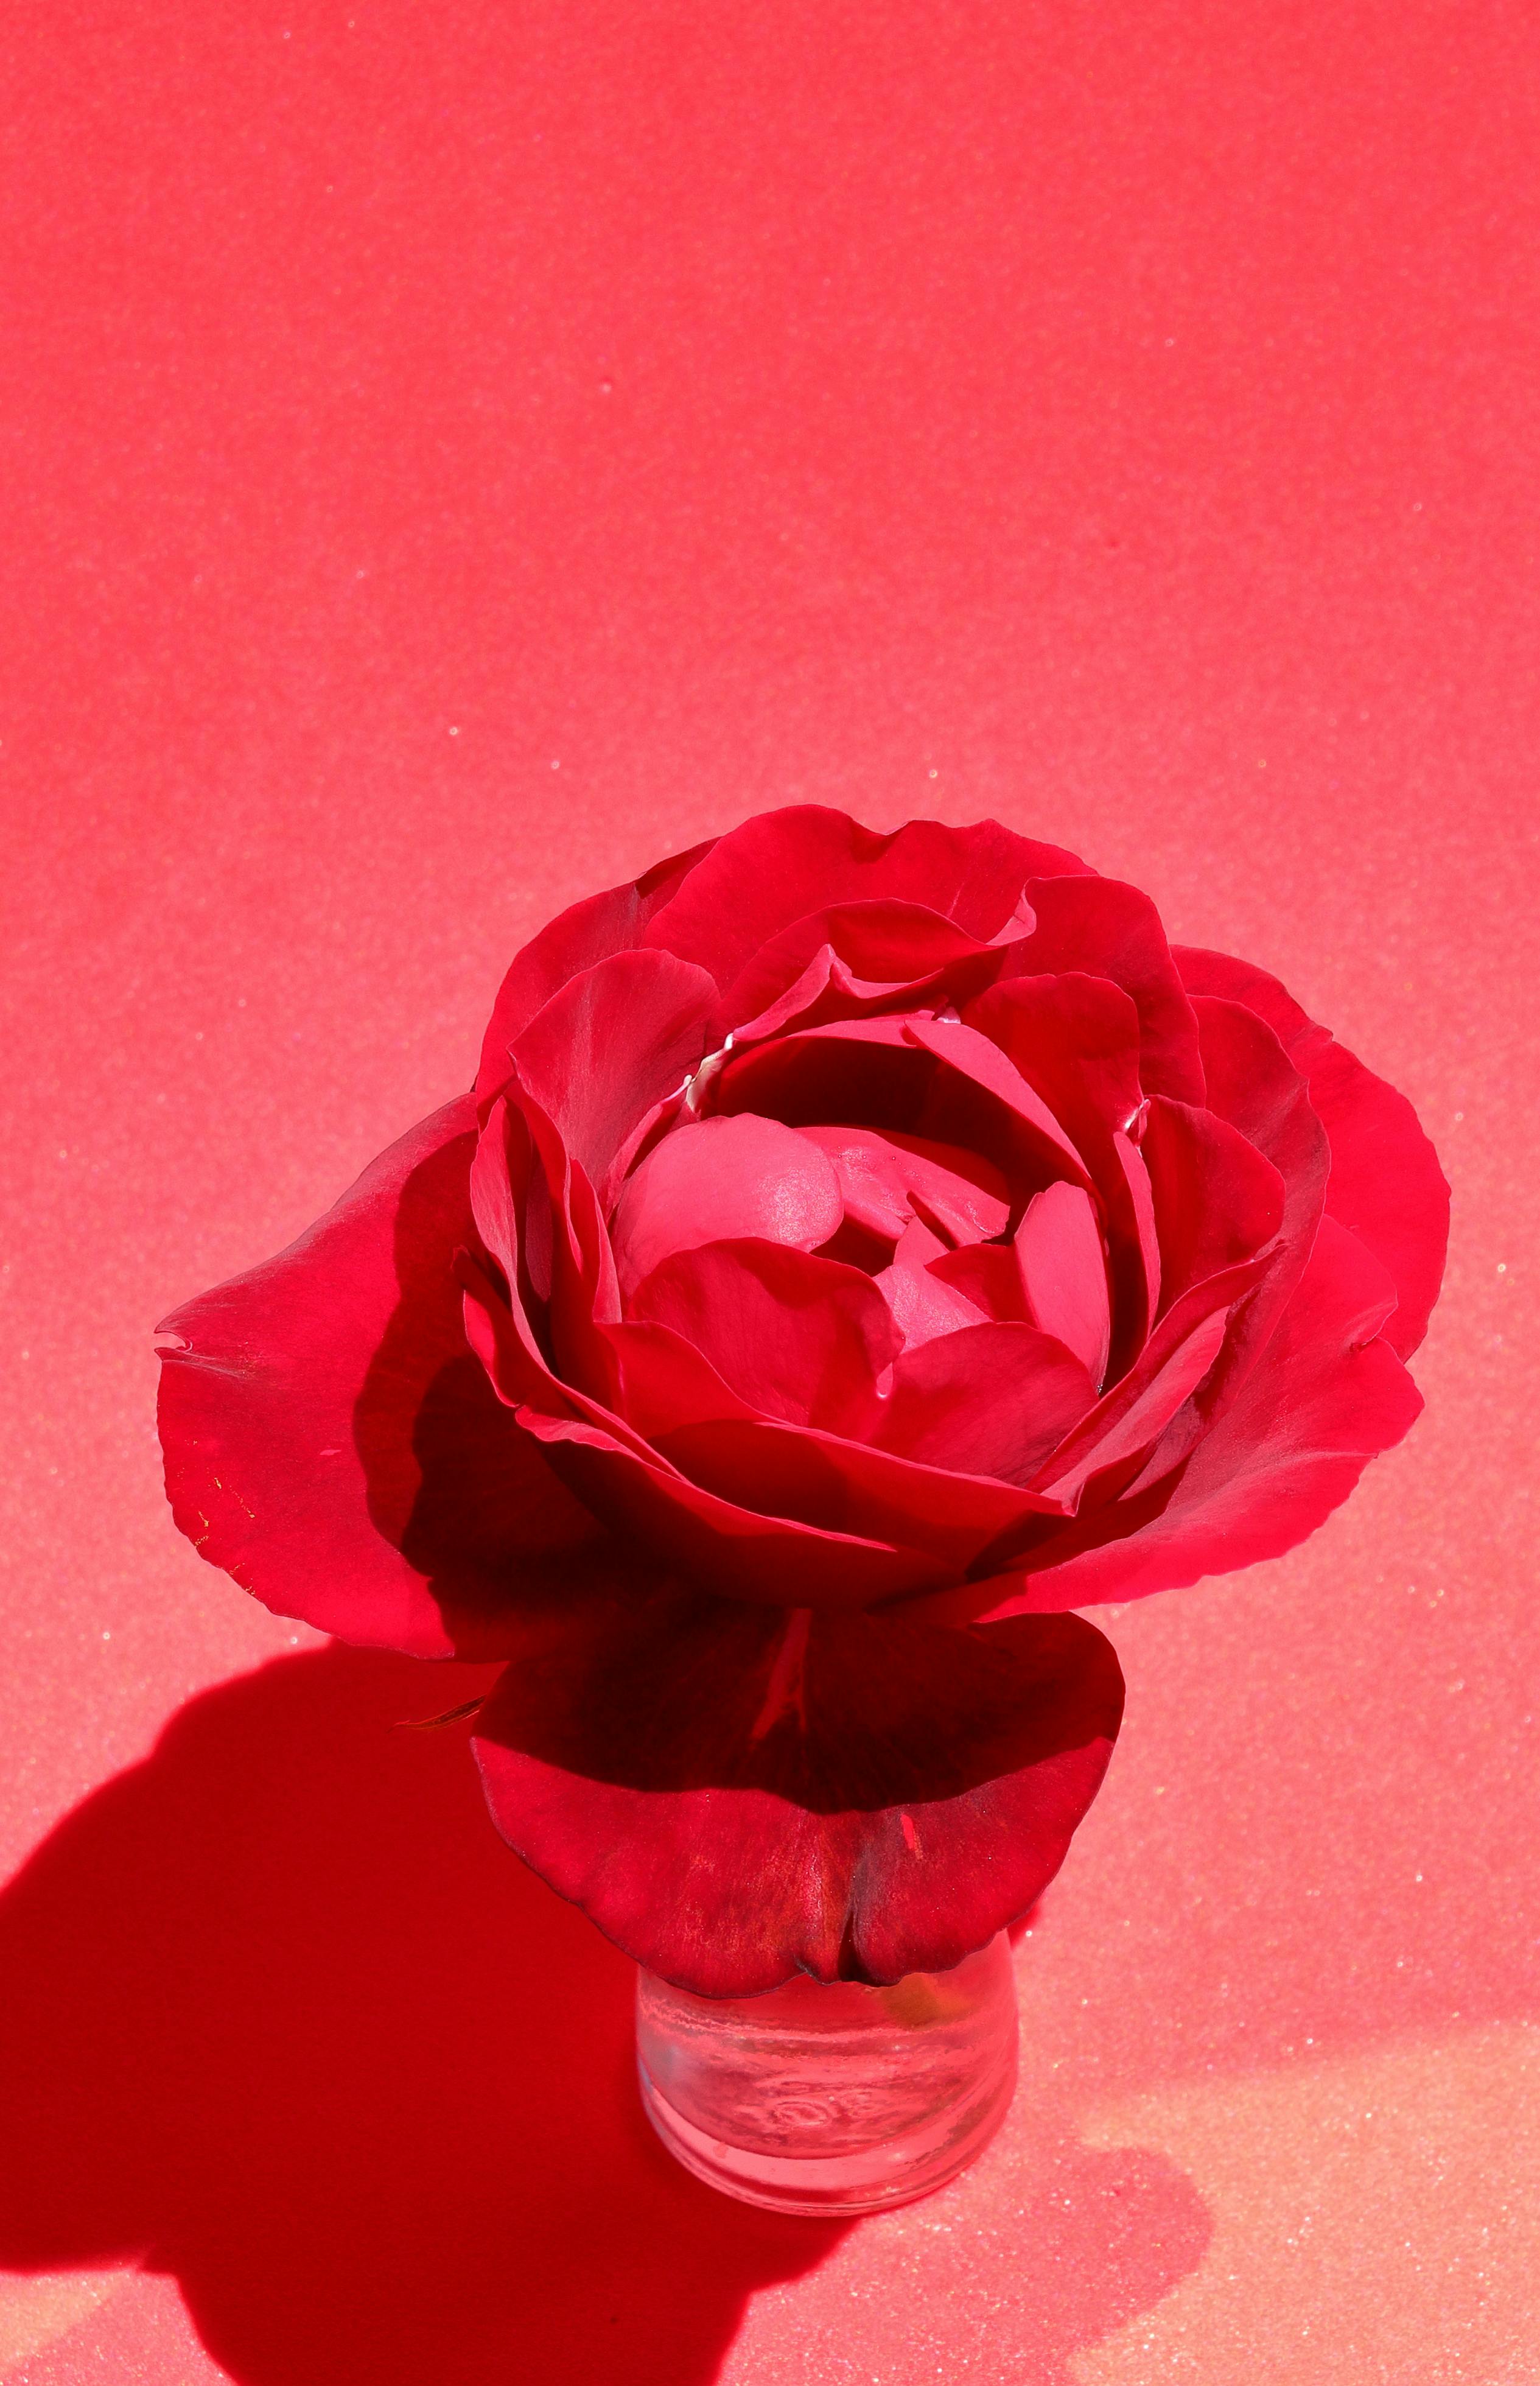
{"x": 453, "y": 455}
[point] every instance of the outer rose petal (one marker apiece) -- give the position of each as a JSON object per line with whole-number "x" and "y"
{"x": 877, "y": 950}
{"x": 1386, "y": 1185}
{"x": 1106, "y": 929}
{"x": 781, "y": 866}
{"x": 1216, "y": 1200}
{"x": 1327, "y": 1395}
{"x": 601, "y": 924}
{"x": 608, "y": 1047}
{"x": 735, "y": 1797}
{"x": 332, "y": 1442}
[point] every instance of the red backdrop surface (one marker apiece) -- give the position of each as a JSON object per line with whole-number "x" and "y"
{"x": 452, "y": 456}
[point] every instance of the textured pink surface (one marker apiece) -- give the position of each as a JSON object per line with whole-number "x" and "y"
{"x": 451, "y": 459}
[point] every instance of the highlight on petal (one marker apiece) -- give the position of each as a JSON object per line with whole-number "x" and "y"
{"x": 719, "y": 1180}
{"x": 923, "y": 1305}
{"x": 737, "y": 1797}
{"x": 886, "y": 1180}
{"x": 332, "y": 1442}
{"x": 1385, "y": 1184}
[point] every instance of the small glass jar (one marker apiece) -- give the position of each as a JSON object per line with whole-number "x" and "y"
{"x": 831, "y": 2098}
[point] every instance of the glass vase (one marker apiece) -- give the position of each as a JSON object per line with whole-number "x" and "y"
{"x": 832, "y": 2099}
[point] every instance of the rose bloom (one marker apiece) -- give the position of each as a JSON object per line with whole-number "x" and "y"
{"x": 858, "y": 1252}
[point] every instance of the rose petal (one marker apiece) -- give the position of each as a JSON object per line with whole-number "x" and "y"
{"x": 1106, "y": 929}
{"x": 922, "y": 1304}
{"x": 607, "y": 1047}
{"x": 886, "y": 1180}
{"x": 1139, "y": 1277}
{"x": 589, "y": 931}
{"x": 841, "y": 1486}
{"x": 974, "y": 1056}
{"x": 988, "y": 1399}
{"x": 332, "y": 1442}
{"x": 1328, "y": 1394}
{"x": 854, "y": 955}
{"x": 1386, "y": 1185}
{"x": 988, "y": 1276}
{"x": 1076, "y": 1041}
{"x": 1132, "y": 1415}
{"x": 1063, "y": 1269}
{"x": 674, "y": 1521}
{"x": 735, "y": 1798}
{"x": 718, "y": 1180}
{"x": 1255, "y": 1086}
{"x": 788, "y": 864}
{"x": 800, "y": 1338}
{"x": 1216, "y": 1200}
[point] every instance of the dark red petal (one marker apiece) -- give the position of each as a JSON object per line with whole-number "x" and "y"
{"x": 781, "y": 866}
{"x": 1139, "y": 1277}
{"x": 850, "y": 1487}
{"x": 1141, "y": 1404}
{"x": 1327, "y": 1395}
{"x": 734, "y": 1798}
{"x": 988, "y": 1399}
{"x": 1216, "y": 1200}
{"x": 1063, "y": 1270}
{"x": 1109, "y": 930}
{"x": 974, "y": 1056}
{"x": 719, "y": 1180}
{"x": 1076, "y": 1041}
{"x": 663, "y": 1382}
{"x": 878, "y": 948}
{"x": 589, "y": 931}
{"x": 332, "y": 1441}
{"x": 1386, "y": 1185}
{"x": 521, "y": 1157}
{"x": 798, "y": 1337}
{"x": 670, "y": 1521}
{"x": 610, "y": 1046}
{"x": 1255, "y": 1086}
{"x": 848, "y": 957}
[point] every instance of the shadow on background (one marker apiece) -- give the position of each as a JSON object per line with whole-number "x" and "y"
{"x": 285, "y": 2020}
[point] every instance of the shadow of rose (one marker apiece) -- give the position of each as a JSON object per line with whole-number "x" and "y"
{"x": 285, "y": 2020}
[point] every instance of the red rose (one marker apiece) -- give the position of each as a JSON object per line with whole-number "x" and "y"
{"x": 858, "y": 1251}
